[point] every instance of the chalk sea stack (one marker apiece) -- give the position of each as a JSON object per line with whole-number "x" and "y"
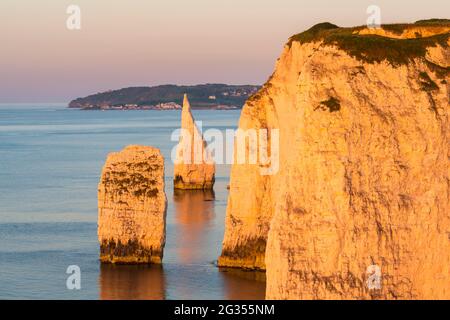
{"x": 132, "y": 207}
{"x": 364, "y": 170}
{"x": 194, "y": 167}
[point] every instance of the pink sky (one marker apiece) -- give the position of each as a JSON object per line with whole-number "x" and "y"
{"x": 151, "y": 42}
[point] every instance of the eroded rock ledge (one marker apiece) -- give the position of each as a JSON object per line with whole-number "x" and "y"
{"x": 132, "y": 207}
{"x": 363, "y": 180}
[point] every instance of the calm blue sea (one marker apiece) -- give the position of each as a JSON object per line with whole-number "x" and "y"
{"x": 50, "y": 162}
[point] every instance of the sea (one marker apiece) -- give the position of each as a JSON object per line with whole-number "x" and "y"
{"x": 50, "y": 163}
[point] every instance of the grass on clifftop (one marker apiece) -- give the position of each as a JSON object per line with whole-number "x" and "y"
{"x": 374, "y": 48}
{"x": 433, "y": 22}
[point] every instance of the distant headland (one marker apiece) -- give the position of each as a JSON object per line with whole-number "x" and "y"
{"x": 168, "y": 97}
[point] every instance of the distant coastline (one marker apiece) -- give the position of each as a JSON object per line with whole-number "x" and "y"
{"x": 168, "y": 97}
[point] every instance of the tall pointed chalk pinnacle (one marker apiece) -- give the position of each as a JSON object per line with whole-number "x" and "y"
{"x": 186, "y": 104}
{"x": 194, "y": 167}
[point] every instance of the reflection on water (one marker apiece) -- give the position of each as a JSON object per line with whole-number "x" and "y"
{"x": 60, "y": 155}
{"x": 243, "y": 285}
{"x": 194, "y": 212}
{"x": 132, "y": 282}
{"x": 188, "y": 271}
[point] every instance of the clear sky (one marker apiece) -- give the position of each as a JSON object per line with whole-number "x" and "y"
{"x": 149, "y": 42}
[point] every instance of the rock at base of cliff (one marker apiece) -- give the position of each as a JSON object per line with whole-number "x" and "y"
{"x": 132, "y": 207}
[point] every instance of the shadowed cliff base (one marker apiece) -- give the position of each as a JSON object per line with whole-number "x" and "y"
{"x": 180, "y": 184}
{"x": 249, "y": 255}
{"x": 131, "y": 252}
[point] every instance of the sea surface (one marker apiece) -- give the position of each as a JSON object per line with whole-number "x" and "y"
{"x": 50, "y": 163}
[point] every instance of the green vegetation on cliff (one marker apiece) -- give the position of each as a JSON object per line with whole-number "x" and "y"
{"x": 376, "y": 48}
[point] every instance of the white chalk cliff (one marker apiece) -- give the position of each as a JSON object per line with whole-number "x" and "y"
{"x": 364, "y": 175}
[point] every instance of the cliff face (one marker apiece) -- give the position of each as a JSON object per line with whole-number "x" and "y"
{"x": 132, "y": 207}
{"x": 364, "y": 169}
{"x": 249, "y": 211}
{"x": 194, "y": 167}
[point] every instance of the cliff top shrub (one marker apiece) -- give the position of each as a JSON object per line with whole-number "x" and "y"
{"x": 375, "y": 48}
{"x": 433, "y": 22}
{"x": 427, "y": 83}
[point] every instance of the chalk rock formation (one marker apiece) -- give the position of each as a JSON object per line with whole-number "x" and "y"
{"x": 364, "y": 174}
{"x": 132, "y": 207}
{"x": 194, "y": 166}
